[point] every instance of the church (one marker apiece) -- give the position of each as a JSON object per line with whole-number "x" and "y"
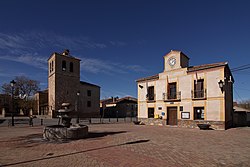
{"x": 64, "y": 86}
{"x": 185, "y": 96}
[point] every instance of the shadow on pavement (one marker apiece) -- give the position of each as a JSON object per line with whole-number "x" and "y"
{"x": 74, "y": 153}
{"x": 102, "y": 134}
{"x": 2, "y": 121}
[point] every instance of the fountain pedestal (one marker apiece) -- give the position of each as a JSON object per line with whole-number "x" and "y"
{"x": 65, "y": 130}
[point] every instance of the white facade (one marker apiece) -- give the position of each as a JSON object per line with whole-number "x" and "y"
{"x": 181, "y": 91}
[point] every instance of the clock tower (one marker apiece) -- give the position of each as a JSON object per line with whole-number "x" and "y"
{"x": 175, "y": 60}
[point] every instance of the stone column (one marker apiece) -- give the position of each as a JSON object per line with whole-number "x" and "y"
{"x": 21, "y": 112}
{"x": 31, "y": 112}
{"x": 3, "y": 112}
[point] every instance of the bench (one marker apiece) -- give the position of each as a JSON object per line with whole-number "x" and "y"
{"x": 28, "y": 121}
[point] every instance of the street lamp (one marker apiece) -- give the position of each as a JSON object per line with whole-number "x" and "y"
{"x": 77, "y": 108}
{"x": 12, "y": 83}
{"x": 221, "y": 85}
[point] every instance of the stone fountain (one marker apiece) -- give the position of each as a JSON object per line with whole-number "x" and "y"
{"x": 65, "y": 129}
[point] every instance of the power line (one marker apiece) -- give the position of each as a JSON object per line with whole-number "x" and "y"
{"x": 244, "y": 89}
{"x": 241, "y": 68}
{"x": 237, "y": 94}
{"x": 241, "y": 73}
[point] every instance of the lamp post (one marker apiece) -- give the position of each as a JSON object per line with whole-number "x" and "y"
{"x": 12, "y": 83}
{"x": 77, "y": 108}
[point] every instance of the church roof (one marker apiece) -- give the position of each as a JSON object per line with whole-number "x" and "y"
{"x": 89, "y": 84}
{"x": 61, "y": 54}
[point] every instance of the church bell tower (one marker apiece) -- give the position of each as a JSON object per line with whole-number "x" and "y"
{"x": 63, "y": 80}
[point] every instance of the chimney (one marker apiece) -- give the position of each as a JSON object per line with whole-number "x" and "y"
{"x": 65, "y": 52}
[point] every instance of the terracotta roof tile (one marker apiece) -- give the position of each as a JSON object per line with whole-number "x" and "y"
{"x": 154, "y": 77}
{"x": 206, "y": 66}
{"x": 89, "y": 84}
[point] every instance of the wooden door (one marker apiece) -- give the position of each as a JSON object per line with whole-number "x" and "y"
{"x": 172, "y": 116}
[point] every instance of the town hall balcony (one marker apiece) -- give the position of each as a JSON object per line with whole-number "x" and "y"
{"x": 150, "y": 98}
{"x": 199, "y": 94}
{"x": 172, "y": 96}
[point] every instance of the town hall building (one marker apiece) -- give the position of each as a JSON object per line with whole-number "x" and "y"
{"x": 185, "y": 96}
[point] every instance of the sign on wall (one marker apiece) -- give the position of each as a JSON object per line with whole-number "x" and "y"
{"x": 185, "y": 115}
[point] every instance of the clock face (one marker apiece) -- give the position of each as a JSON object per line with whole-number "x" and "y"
{"x": 171, "y": 61}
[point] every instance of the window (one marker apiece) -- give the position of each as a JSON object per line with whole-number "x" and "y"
{"x": 199, "y": 88}
{"x": 151, "y": 112}
{"x": 71, "y": 67}
{"x": 150, "y": 95}
{"x": 64, "y": 65}
{"x": 88, "y": 103}
{"x": 89, "y": 92}
{"x": 52, "y": 66}
{"x": 199, "y": 113}
{"x": 172, "y": 90}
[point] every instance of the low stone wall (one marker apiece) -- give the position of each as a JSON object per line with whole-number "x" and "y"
{"x": 217, "y": 125}
{"x": 152, "y": 121}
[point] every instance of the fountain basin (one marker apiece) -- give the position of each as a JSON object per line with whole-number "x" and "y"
{"x": 60, "y": 132}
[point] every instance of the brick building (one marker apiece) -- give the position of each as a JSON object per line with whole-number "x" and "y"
{"x": 184, "y": 95}
{"x": 118, "y": 107}
{"x": 5, "y": 105}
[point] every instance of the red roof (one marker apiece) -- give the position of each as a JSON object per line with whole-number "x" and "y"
{"x": 117, "y": 100}
{"x": 154, "y": 77}
{"x": 206, "y": 66}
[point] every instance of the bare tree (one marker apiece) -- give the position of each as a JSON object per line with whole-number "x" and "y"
{"x": 23, "y": 86}
{"x": 23, "y": 89}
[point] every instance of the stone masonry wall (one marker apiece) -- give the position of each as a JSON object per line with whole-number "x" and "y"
{"x": 216, "y": 125}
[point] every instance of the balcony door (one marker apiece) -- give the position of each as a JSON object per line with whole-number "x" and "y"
{"x": 172, "y": 90}
{"x": 199, "y": 88}
{"x": 151, "y": 95}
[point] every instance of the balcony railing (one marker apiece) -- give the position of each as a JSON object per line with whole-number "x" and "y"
{"x": 199, "y": 94}
{"x": 171, "y": 96}
{"x": 150, "y": 97}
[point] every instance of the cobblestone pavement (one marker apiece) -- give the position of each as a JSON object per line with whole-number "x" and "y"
{"x": 127, "y": 145}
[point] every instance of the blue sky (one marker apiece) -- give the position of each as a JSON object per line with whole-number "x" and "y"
{"x": 120, "y": 41}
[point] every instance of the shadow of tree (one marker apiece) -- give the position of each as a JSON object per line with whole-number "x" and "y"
{"x": 23, "y": 138}
{"x": 36, "y": 139}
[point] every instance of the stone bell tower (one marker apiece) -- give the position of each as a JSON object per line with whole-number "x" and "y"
{"x": 63, "y": 80}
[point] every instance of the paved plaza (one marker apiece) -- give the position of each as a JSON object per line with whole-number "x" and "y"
{"x": 126, "y": 144}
